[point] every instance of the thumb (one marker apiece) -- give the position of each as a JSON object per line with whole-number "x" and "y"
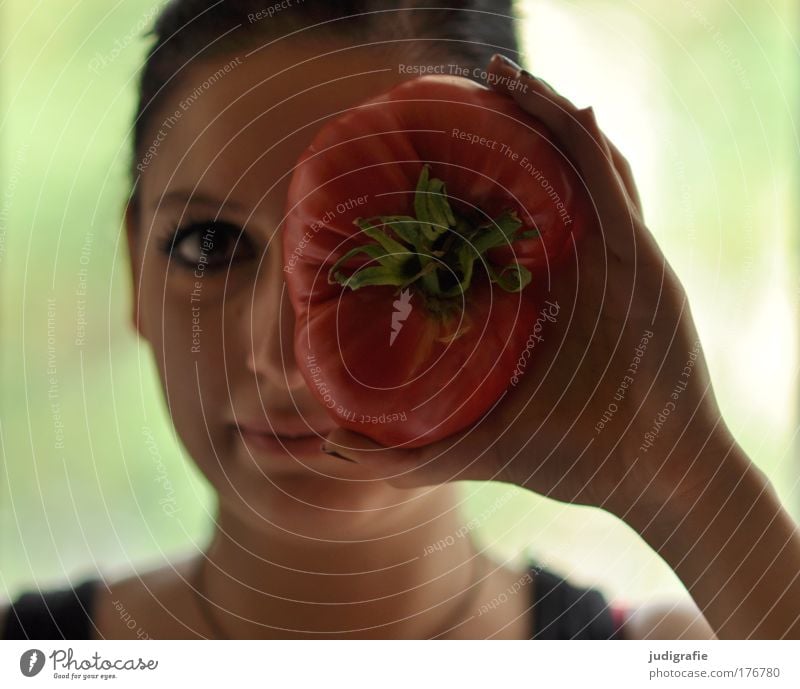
{"x": 402, "y": 467}
{"x": 349, "y": 445}
{"x": 360, "y": 449}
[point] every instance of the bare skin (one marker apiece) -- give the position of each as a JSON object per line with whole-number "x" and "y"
{"x": 306, "y": 545}
{"x": 666, "y": 463}
{"x": 301, "y": 533}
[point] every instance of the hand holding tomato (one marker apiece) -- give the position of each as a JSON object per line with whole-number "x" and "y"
{"x": 416, "y": 254}
{"x": 614, "y": 404}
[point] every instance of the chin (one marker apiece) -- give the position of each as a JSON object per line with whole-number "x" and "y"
{"x": 314, "y": 505}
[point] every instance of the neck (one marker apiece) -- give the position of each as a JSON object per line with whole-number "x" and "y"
{"x": 262, "y": 582}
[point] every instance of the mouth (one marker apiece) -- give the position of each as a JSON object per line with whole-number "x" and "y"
{"x": 295, "y": 438}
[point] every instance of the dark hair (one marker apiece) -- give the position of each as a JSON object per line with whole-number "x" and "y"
{"x": 187, "y": 31}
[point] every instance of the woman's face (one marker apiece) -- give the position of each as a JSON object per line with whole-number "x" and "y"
{"x": 215, "y": 311}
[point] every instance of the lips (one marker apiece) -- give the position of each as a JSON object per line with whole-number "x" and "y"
{"x": 284, "y": 432}
{"x": 281, "y": 441}
{"x": 285, "y": 429}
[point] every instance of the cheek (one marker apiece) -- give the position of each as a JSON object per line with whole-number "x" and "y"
{"x": 181, "y": 321}
{"x": 185, "y": 336}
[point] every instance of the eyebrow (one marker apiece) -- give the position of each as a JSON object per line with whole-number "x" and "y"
{"x": 185, "y": 197}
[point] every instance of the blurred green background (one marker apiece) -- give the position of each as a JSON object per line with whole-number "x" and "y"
{"x": 700, "y": 96}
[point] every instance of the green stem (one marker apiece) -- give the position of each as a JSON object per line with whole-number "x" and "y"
{"x": 435, "y": 251}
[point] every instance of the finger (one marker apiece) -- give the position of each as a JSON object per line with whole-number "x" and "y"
{"x": 577, "y": 131}
{"x": 541, "y": 100}
{"x": 621, "y": 163}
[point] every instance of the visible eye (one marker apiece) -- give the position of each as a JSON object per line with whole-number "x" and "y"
{"x": 208, "y": 245}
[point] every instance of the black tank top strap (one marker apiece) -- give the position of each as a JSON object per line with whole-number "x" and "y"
{"x": 61, "y": 614}
{"x": 564, "y": 611}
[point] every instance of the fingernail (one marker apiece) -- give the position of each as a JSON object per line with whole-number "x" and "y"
{"x": 336, "y": 454}
{"x": 508, "y": 62}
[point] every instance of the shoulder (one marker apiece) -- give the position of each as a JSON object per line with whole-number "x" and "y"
{"x": 156, "y": 604}
{"x": 667, "y": 620}
{"x": 566, "y": 610}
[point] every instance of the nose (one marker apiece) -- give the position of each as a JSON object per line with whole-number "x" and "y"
{"x": 270, "y": 327}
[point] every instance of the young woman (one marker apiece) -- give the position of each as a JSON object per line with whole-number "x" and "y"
{"x": 335, "y": 542}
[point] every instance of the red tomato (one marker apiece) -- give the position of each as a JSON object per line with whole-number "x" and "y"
{"x": 420, "y": 232}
